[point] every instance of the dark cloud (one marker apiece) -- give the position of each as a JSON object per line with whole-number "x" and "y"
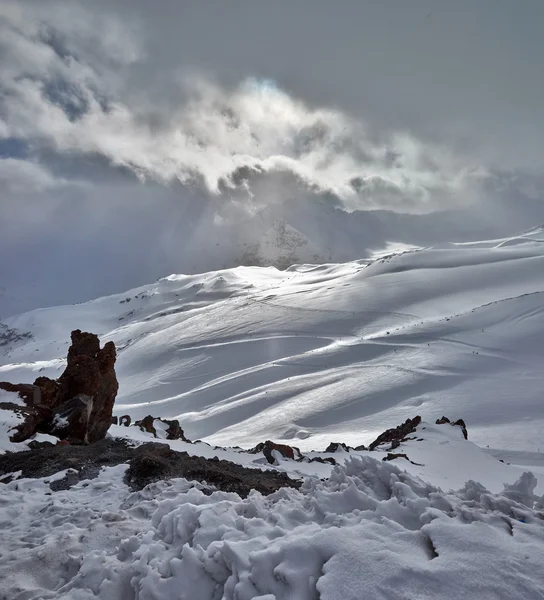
{"x": 139, "y": 139}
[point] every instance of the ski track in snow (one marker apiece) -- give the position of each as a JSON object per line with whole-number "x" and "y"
{"x": 358, "y": 347}
{"x": 306, "y": 356}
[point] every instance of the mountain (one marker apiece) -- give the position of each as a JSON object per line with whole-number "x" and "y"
{"x": 306, "y": 356}
{"x": 313, "y": 353}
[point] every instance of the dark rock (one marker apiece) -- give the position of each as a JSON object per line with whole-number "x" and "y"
{"x": 35, "y": 445}
{"x": 70, "y": 421}
{"x": 393, "y": 456}
{"x": 146, "y": 424}
{"x": 268, "y": 447}
{"x": 396, "y": 435}
{"x": 27, "y": 392}
{"x": 325, "y": 460}
{"x": 147, "y": 463}
{"x": 115, "y": 420}
{"x": 173, "y": 430}
{"x": 460, "y": 423}
{"x": 125, "y": 420}
{"x": 335, "y": 446}
{"x": 83, "y": 395}
{"x": 49, "y": 392}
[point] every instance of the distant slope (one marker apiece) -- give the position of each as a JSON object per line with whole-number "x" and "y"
{"x": 321, "y": 353}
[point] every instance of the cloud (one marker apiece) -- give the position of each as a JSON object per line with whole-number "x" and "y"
{"x": 25, "y": 177}
{"x": 117, "y": 168}
{"x": 61, "y": 86}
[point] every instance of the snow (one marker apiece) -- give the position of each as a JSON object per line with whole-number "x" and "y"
{"x": 306, "y": 356}
{"x": 370, "y": 530}
{"x": 11, "y": 398}
{"x": 321, "y": 353}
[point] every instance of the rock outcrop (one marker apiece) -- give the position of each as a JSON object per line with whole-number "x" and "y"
{"x": 170, "y": 428}
{"x": 338, "y": 446}
{"x": 78, "y": 406}
{"x": 271, "y": 451}
{"x": 460, "y": 423}
{"x": 396, "y": 435}
{"x": 148, "y": 463}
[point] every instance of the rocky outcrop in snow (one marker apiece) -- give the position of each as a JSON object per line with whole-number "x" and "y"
{"x": 148, "y": 463}
{"x": 167, "y": 429}
{"x": 459, "y": 423}
{"x": 77, "y": 406}
{"x": 396, "y": 435}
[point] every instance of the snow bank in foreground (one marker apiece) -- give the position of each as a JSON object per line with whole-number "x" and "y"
{"x": 370, "y": 531}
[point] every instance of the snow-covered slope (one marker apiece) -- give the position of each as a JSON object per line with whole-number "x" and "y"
{"x": 325, "y": 353}
{"x": 369, "y": 531}
{"x": 307, "y": 356}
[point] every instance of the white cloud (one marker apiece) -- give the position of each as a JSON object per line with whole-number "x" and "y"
{"x": 25, "y": 177}
{"x": 62, "y": 88}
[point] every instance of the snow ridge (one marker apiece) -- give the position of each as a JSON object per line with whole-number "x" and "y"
{"x": 370, "y": 530}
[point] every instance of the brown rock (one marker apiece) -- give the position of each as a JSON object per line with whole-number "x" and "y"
{"x": 125, "y": 420}
{"x": 27, "y": 392}
{"x": 77, "y": 406}
{"x": 146, "y": 424}
{"x": 71, "y": 419}
{"x": 286, "y": 451}
{"x": 49, "y": 392}
{"x": 173, "y": 431}
{"x": 396, "y": 435}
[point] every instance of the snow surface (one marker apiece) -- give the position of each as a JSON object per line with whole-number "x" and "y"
{"x": 306, "y": 356}
{"x": 324, "y": 353}
{"x": 369, "y": 531}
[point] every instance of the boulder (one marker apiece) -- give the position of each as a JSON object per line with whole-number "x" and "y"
{"x": 269, "y": 448}
{"x": 166, "y": 429}
{"x": 396, "y": 435}
{"x": 78, "y": 406}
{"x": 125, "y": 420}
{"x": 336, "y": 446}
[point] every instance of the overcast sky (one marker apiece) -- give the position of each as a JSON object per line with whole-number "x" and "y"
{"x": 133, "y": 133}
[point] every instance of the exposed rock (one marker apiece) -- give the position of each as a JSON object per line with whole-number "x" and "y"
{"x": 460, "y": 423}
{"x": 147, "y": 424}
{"x": 9, "y": 335}
{"x": 396, "y": 435}
{"x": 79, "y": 404}
{"x": 26, "y": 391}
{"x": 71, "y": 420}
{"x": 48, "y": 392}
{"x": 125, "y": 420}
{"x": 325, "y": 460}
{"x": 115, "y": 420}
{"x": 35, "y": 445}
{"x": 393, "y": 456}
{"x": 173, "y": 430}
{"x": 148, "y": 463}
{"x": 335, "y": 446}
{"x": 268, "y": 448}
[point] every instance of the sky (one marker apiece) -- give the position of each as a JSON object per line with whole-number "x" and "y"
{"x": 139, "y": 139}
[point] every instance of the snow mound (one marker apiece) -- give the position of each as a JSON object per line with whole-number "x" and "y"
{"x": 371, "y": 530}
